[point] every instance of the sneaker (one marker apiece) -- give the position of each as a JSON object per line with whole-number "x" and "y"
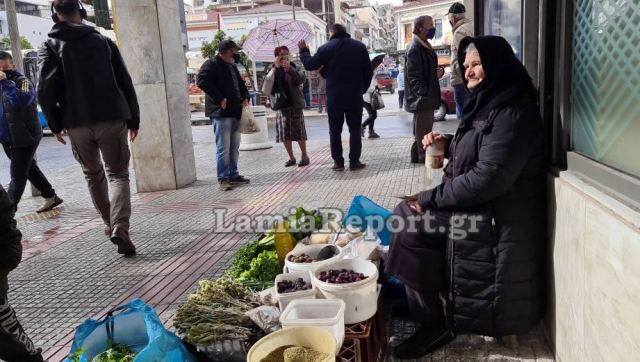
{"x": 107, "y": 231}
{"x": 355, "y": 166}
{"x": 373, "y": 134}
{"x": 50, "y": 203}
{"x": 337, "y": 167}
{"x": 120, "y": 237}
{"x": 427, "y": 339}
{"x": 362, "y": 129}
{"x": 239, "y": 180}
{"x": 225, "y": 185}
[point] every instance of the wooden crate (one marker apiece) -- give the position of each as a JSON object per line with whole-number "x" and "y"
{"x": 370, "y": 335}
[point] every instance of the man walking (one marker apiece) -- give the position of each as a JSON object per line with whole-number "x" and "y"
{"x": 346, "y": 67}
{"x": 20, "y": 134}
{"x": 226, "y": 94}
{"x": 422, "y": 94}
{"x": 462, "y": 28}
{"x": 401, "y": 84}
{"x": 15, "y": 345}
{"x": 85, "y": 91}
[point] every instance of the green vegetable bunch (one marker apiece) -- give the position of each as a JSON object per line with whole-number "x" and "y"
{"x": 304, "y": 222}
{"x": 242, "y": 259}
{"x": 265, "y": 267}
{"x": 116, "y": 353}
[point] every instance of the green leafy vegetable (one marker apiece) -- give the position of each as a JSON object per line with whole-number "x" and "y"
{"x": 265, "y": 267}
{"x": 241, "y": 261}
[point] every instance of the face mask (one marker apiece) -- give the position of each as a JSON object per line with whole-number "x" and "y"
{"x": 9, "y": 73}
{"x": 431, "y": 33}
{"x": 236, "y": 58}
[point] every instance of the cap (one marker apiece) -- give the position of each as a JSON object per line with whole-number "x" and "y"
{"x": 457, "y": 8}
{"x": 228, "y": 45}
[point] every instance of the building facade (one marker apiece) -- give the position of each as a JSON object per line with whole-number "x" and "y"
{"x": 202, "y": 27}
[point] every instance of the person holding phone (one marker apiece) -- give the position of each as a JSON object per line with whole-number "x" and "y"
{"x": 287, "y": 78}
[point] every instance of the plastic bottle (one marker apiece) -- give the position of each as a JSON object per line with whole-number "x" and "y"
{"x": 434, "y": 162}
{"x": 284, "y": 240}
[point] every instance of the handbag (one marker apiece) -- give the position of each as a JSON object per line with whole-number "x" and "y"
{"x": 376, "y": 100}
{"x": 279, "y": 98}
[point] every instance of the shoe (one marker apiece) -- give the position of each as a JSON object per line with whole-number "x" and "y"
{"x": 107, "y": 231}
{"x": 239, "y": 180}
{"x": 304, "y": 162}
{"x": 120, "y": 237}
{"x": 225, "y": 185}
{"x": 337, "y": 167}
{"x": 355, "y": 166}
{"x": 290, "y": 163}
{"x": 426, "y": 340}
{"x": 50, "y": 203}
{"x": 362, "y": 129}
{"x": 373, "y": 134}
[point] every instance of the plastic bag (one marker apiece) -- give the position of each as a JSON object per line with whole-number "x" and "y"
{"x": 135, "y": 325}
{"x": 266, "y": 317}
{"x": 248, "y": 124}
{"x": 360, "y": 208}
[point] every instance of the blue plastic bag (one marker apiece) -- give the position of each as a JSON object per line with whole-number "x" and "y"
{"x": 360, "y": 208}
{"x": 135, "y": 325}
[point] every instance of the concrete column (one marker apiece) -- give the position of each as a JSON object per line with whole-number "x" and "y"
{"x": 149, "y": 38}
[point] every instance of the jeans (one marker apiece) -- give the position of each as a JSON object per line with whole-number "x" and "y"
{"x": 23, "y": 168}
{"x": 91, "y": 145}
{"x": 373, "y": 114}
{"x": 460, "y": 94}
{"x": 307, "y": 99}
{"x": 354, "y": 122}
{"x": 401, "y": 98}
{"x": 227, "y": 132}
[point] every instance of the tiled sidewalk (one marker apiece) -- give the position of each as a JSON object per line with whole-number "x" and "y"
{"x": 71, "y": 272}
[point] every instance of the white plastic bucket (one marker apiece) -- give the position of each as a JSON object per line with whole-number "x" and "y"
{"x": 285, "y": 298}
{"x": 360, "y": 298}
{"x": 325, "y": 313}
{"x": 312, "y": 337}
{"x": 312, "y": 251}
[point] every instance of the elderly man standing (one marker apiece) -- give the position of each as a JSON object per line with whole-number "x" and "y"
{"x": 462, "y": 28}
{"x": 422, "y": 89}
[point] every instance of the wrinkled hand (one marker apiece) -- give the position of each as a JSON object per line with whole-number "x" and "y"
{"x": 60, "y": 137}
{"x": 302, "y": 44}
{"x": 3, "y": 75}
{"x": 415, "y": 206}
{"x": 133, "y": 134}
{"x": 224, "y": 104}
{"x": 430, "y": 138}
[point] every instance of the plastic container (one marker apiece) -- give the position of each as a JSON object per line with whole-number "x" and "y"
{"x": 285, "y": 298}
{"x": 325, "y": 313}
{"x": 434, "y": 163}
{"x": 360, "y": 298}
{"x": 312, "y": 337}
{"x": 311, "y": 250}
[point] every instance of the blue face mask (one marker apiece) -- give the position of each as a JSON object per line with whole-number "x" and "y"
{"x": 431, "y": 33}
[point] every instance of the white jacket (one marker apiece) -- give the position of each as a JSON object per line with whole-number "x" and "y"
{"x": 372, "y": 88}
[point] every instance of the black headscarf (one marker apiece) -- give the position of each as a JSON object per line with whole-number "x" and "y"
{"x": 504, "y": 75}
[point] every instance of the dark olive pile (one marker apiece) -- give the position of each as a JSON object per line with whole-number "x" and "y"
{"x": 302, "y": 258}
{"x": 341, "y": 276}
{"x": 290, "y": 286}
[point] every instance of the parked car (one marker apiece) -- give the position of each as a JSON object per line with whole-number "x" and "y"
{"x": 447, "y": 99}
{"x": 385, "y": 82}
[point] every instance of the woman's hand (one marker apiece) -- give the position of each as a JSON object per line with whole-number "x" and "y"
{"x": 415, "y": 206}
{"x": 278, "y": 62}
{"x": 432, "y": 137}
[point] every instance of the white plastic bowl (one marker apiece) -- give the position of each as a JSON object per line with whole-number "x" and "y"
{"x": 312, "y": 251}
{"x": 324, "y": 313}
{"x": 311, "y": 337}
{"x": 285, "y": 298}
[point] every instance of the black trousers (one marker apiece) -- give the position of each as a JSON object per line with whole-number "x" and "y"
{"x": 337, "y": 117}
{"x": 24, "y": 167}
{"x": 15, "y": 345}
{"x": 373, "y": 114}
{"x": 401, "y": 98}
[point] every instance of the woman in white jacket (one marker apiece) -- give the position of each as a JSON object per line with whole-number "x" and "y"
{"x": 371, "y": 110}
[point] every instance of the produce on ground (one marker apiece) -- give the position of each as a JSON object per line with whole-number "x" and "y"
{"x": 277, "y": 355}
{"x": 302, "y": 258}
{"x": 341, "y": 276}
{"x": 216, "y": 312}
{"x": 264, "y": 268}
{"x": 290, "y": 286}
{"x": 116, "y": 353}
{"x": 242, "y": 259}
{"x": 304, "y": 222}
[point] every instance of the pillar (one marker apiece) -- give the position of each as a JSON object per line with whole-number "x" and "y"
{"x": 149, "y": 38}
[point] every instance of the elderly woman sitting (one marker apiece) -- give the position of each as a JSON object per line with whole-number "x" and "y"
{"x": 475, "y": 263}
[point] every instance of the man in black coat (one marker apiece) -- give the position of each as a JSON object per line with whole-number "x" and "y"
{"x": 345, "y": 64}
{"x": 226, "y": 94}
{"x": 15, "y": 345}
{"x": 86, "y": 92}
{"x": 422, "y": 89}
{"x": 21, "y": 132}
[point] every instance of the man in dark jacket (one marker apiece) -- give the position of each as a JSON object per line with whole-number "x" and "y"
{"x": 346, "y": 67}
{"x": 226, "y": 94}
{"x": 422, "y": 92}
{"x": 85, "y": 90}
{"x": 15, "y": 345}
{"x": 20, "y": 134}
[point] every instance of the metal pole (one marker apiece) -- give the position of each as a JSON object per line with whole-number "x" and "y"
{"x": 14, "y": 34}
{"x": 293, "y": 7}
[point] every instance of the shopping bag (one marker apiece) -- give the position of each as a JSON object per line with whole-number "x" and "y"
{"x": 376, "y": 100}
{"x": 135, "y": 325}
{"x": 360, "y": 208}
{"x": 248, "y": 122}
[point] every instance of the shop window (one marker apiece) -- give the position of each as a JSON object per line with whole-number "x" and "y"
{"x": 504, "y": 18}
{"x": 438, "y": 25}
{"x": 605, "y": 83}
{"x": 408, "y": 33}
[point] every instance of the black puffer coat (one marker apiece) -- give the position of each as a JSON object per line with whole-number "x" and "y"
{"x": 496, "y": 173}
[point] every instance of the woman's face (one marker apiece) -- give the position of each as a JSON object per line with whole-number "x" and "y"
{"x": 284, "y": 57}
{"x": 474, "y": 73}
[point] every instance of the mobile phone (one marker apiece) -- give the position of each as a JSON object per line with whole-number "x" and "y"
{"x": 408, "y": 197}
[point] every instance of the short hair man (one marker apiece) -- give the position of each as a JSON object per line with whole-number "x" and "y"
{"x": 20, "y": 134}
{"x": 462, "y": 28}
{"x": 85, "y": 90}
{"x": 422, "y": 88}
{"x": 345, "y": 64}
{"x": 226, "y": 94}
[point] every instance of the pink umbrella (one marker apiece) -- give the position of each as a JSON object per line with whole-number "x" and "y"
{"x": 265, "y": 38}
